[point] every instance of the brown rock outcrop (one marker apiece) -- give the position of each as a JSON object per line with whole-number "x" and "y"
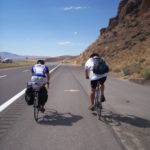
{"x": 126, "y": 40}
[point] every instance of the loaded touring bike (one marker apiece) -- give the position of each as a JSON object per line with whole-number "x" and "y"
{"x": 36, "y": 89}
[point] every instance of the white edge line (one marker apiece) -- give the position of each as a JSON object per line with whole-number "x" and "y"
{"x": 54, "y": 68}
{"x": 25, "y": 70}
{"x": 10, "y": 101}
{"x": 3, "y": 76}
{"x": 14, "y": 98}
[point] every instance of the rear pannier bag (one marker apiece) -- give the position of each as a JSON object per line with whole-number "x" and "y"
{"x": 29, "y": 96}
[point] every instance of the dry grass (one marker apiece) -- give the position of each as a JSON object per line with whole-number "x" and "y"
{"x": 16, "y": 64}
{"x": 146, "y": 73}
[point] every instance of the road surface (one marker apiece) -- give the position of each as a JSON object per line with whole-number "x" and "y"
{"x": 67, "y": 123}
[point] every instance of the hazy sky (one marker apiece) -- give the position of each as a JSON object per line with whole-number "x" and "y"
{"x": 52, "y": 27}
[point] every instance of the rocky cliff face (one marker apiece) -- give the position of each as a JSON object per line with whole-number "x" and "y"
{"x": 125, "y": 43}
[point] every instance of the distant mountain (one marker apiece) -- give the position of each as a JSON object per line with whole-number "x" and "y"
{"x": 48, "y": 59}
{"x": 11, "y": 55}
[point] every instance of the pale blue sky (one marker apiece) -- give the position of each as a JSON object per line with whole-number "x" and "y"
{"x": 52, "y": 27}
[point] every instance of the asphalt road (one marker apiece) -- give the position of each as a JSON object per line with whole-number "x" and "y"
{"x": 67, "y": 124}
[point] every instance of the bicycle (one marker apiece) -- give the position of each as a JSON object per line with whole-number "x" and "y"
{"x": 36, "y": 86}
{"x": 97, "y": 102}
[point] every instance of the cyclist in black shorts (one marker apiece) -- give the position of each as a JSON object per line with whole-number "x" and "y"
{"x": 95, "y": 79}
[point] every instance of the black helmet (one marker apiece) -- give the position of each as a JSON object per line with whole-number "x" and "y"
{"x": 41, "y": 62}
{"x": 94, "y": 54}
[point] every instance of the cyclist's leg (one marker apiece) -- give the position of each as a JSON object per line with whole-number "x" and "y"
{"x": 92, "y": 94}
{"x": 102, "y": 88}
{"x": 43, "y": 98}
{"x": 45, "y": 95}
{"x": 45, "y": 90}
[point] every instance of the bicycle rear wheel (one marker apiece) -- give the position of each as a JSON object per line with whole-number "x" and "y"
{"x": 36, "y": 108}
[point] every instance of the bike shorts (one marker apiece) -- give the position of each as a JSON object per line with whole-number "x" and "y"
{"x": 95, "y": 82}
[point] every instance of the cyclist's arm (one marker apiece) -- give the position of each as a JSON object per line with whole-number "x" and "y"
{"x": 86, "y": 73}
{"x": 48, "y": 77}
{"x": 32, "y": 71}
{"x": 47, "y": 74}
{"x": 87, "y": 68}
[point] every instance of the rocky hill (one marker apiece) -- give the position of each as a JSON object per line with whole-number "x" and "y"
{"x": 125, "y": 43}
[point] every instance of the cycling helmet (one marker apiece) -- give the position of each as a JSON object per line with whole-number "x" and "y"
{"x": 41, "y": 62}
{"x": 94, "y": 54}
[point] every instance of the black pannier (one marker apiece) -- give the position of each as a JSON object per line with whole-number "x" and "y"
{"x": 29, "y": 96}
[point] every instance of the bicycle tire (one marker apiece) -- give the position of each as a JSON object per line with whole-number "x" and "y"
{"x": 36, "y": 109}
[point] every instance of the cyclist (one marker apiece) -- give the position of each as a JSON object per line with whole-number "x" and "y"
{"x": 40, "y": 72}
{"x": 95, "y": 79}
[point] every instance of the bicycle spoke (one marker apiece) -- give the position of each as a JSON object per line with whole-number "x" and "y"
{"x": 36, "y": 108}
{"x": 98, "y": 104}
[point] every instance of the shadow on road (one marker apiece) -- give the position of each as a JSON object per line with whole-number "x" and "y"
{"x": 52, "y": 117}
{"x": 114, "y": 119}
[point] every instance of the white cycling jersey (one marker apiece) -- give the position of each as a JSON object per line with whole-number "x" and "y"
{"x": 89, "y": 65}
{"x": 39, "y": 70}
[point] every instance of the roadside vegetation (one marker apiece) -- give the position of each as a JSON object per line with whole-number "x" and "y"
{"x": 134, "y": 71}
{"x": 16, "y": 64}
{"x": 146, "y": 73}
{"x": 132, "y": 68}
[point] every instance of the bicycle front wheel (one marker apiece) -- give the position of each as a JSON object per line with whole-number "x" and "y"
{"x": 36, "y": 108}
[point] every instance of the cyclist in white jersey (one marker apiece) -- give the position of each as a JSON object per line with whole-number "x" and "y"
{"x": 95, "y": 79}
{"x": 40, "y": 73}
